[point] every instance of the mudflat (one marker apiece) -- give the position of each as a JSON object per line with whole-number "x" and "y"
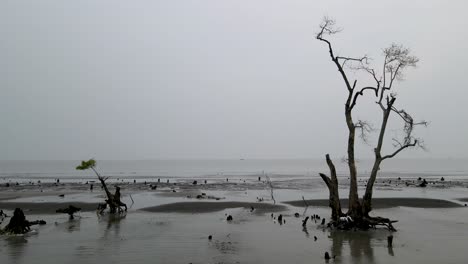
{"x": 172, "y": 224}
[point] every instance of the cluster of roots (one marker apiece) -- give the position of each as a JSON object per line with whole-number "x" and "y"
{"x": 364, "y": 223}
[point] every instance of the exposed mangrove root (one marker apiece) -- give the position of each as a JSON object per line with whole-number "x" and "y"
{"x": 364, "y": 223}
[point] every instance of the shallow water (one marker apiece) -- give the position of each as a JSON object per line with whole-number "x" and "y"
{"x": 424, "y": 236}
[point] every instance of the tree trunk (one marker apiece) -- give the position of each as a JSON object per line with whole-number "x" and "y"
{"x": 332, "y": 184}
{"x": 110, "y": 198}
{"x": 367, "y": 199}
{"x": 354, "y": 209}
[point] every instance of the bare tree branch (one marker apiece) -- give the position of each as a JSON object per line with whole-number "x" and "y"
{"x": 361, "y": 61}
{"x": 408, "y": 125}
{"x": 365, "y": 129}
{"x": 397, "y": 58}
{"x": 414, "y": 143}
{"x": 328, "y": 27}
{"x": 397, "y": 143}
{"x": 361, "y": 93}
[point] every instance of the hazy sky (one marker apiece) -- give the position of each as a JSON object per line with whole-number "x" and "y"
{"x": 217, "y": 79}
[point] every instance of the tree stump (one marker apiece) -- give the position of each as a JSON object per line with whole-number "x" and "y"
{"x": 18, "y": 223}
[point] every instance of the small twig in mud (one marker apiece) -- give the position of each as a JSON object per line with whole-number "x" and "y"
{"x": 131, "y": 199}
{"x": 306, "y": 206}
{"x": 271, "y": 188}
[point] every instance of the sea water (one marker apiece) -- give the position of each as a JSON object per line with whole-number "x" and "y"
{"x": 250, "y": 168}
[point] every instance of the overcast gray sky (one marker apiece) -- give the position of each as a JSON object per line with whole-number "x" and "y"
{"x": 216, "y": 79}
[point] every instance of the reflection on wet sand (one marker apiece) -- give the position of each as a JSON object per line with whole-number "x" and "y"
{"x": 113, "y": 223}
{"x": 16, "y": 246}
{"x": 110, "y": 239}
{"x": 304, "y": 229}
{"x": 361, "y": 245}
{"x": 73, "y": 225}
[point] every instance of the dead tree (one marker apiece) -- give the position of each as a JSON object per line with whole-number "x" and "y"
{"x": 113, "y": 200}
{"x": 396, "y": 60}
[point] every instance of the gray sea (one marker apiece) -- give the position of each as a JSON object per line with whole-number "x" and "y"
{"x": 65, "y": 169}
{"x": 191, "y": 169}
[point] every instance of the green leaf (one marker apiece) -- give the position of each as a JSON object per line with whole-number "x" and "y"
{"x": 86, "y": 164}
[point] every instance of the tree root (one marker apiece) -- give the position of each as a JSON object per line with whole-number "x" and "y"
{"x": 364, "y": 223}
{"x": 376, "y": 221}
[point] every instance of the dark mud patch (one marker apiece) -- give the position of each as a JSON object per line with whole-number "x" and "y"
{"x": 207, "y": 207}
{"x": 45, "y": 208}
{"x": 378, "y": 203}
